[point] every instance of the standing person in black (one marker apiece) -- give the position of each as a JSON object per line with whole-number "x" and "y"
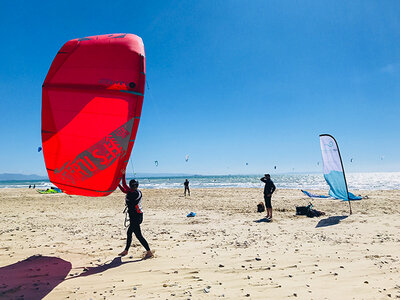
{"x": 186, "y": 184}
{"x": 133, "y": 200}
{"x": 269, "y": 188}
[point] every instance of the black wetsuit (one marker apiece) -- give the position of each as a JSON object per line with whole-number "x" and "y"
{"x": 133, "y": 202}
{"x": 269, "y": 188}
{"x": 186, "y": 184}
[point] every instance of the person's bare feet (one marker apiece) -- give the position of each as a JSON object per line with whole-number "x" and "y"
{"x": 148, "y": 254}
{"x": 123, "y": 253}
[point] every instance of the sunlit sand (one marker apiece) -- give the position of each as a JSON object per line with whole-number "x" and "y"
{"x": 226, "y": 250}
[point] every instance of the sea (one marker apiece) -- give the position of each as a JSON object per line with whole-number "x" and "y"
{"x": 355, "y": 181}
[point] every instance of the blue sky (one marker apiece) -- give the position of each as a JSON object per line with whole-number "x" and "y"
{"x": 230, "y": 82}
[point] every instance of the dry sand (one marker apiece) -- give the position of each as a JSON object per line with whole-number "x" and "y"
{"x": 225, "y": 251}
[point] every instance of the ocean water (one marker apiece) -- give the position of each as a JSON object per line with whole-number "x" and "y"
{"x": 25, "y": 183}
{"x": 355, "y": 181}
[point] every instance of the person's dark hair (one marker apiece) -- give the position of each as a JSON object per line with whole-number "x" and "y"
{"x": 267, "y": 175}
{"x": 133, "y": 183}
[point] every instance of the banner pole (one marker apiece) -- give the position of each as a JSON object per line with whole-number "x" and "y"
{"x": 350, "y": 207}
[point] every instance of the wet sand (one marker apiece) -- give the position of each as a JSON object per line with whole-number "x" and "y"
{"x": 227, "y": 250}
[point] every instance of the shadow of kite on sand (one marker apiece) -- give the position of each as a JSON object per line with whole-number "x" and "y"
{"x": 36, "y": 276}
{"x": 32, "y": 278}
{"x": 330, "y": 221}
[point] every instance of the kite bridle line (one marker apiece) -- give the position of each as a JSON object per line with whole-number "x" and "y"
{"x": 130, "y": 159}
{"x": 133, "y": 170}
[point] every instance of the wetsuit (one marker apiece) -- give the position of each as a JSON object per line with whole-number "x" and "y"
{"x": 269, "y": 188}
{"x": 186, "y": 184}
{"x": 133, "y": 201}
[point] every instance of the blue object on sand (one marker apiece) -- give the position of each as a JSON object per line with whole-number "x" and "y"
{"x": 314, "y": 195}
{"x": 191, "y": 214}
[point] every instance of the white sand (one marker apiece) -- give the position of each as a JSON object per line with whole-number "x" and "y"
{"x": 222, "y": 252}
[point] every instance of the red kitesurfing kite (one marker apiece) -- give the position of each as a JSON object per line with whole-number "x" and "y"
{"x": 91, "y": 104}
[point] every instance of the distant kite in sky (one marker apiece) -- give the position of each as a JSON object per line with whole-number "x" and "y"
{"x": 39, "y": 149}
{"x": 187, "y": 157}
{"x": 92, "y": 100}
{"x": 156, "y": 163}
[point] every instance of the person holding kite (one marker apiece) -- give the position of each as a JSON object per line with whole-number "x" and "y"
{"x": 133, "y": 201}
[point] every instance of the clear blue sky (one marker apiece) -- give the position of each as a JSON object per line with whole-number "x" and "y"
{"x": 230, "y": 81}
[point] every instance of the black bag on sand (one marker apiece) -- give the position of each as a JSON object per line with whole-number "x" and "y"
{"x": 314, "y": 213}
{"x": 260, "y": 207}
{"x": 308, "y": 211}
{"x": 302, "y": 210}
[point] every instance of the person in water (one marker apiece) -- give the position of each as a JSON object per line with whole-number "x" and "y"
{"x": 133, "y": 200}
{"x": 269, "y": 189}
{"x": 186, "y": 184}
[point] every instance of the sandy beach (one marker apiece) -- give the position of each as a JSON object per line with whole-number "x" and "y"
{"x": 65, "y": 247}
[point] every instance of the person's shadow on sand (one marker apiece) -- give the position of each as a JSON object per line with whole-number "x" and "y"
{"x": 32, "y": 278}
{"x": 330, "y": 221}
{"x": 116, "y": 262}
{"x": 263, "y": 220}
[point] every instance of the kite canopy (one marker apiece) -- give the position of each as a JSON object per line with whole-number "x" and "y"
{"x": 91, "y": 104}
{"x": 333, "y": 169}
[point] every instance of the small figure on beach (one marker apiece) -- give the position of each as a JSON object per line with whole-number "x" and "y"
{"x": 133, "y": 201}
{"x": 269, "y": 189}
{"x": 186, "y": 184}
